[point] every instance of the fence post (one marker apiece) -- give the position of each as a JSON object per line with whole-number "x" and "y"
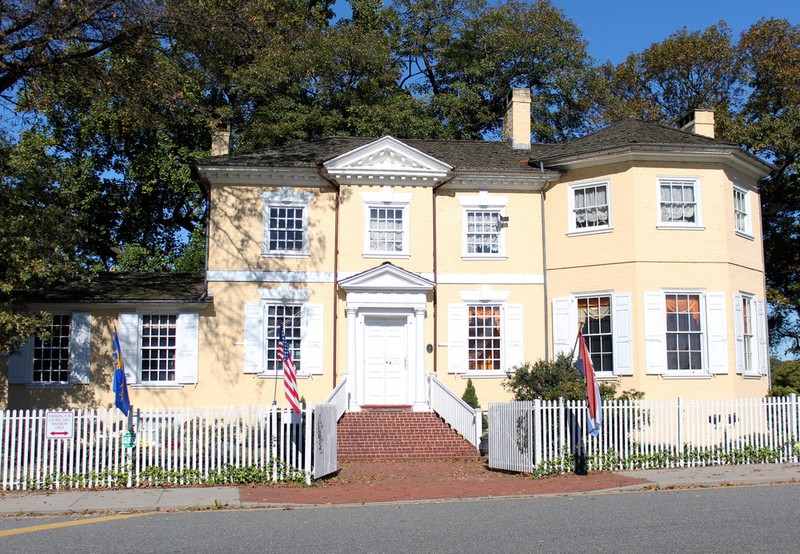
{"x": 562, "y": 433}
{"x": 537, "y": 432}
{"x": 795, "y": 429}
{"x": 679, "y": 442}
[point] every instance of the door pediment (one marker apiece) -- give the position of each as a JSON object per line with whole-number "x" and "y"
{"x": 384, "y": 161}
{"x": 386, "y": 277}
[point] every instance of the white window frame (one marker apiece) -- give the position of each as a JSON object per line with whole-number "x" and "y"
{"x": 272, "y": 335}
{"x": 742, "y": 213}
{"x": 702, "y": 333}
{"x": 573, "y": 226}
{"x": 694, "y": 182}
{"x": 285, "y": 198}
{"x": 20, "y": 370}
{"x": 755, "y": 363}
{"x": 141, "y": 371}
{"x": 485, "y": 203}
{"x": 588, "y": 335}
{"x": 386, "y": 198}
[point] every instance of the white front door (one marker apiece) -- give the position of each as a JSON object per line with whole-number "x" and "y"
{"x": 385, "y": 361}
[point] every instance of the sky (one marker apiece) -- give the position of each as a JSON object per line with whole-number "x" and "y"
{"x": 616, "y": 28}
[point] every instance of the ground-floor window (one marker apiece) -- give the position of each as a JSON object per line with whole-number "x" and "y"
{"x": 51, "y": 356}
{"x": 290, "y": 318}
{"x": 485, "y": 337}
{"x": 594, "y": 318}
{"x": 684, "y": 332}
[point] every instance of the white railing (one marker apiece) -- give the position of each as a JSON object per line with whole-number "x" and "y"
{"x": 325, "y": 440}
{"x": 339, "y": 397}
{"x": 178, "y": 446}
{"x": 457, "y": 413}
{"x": 649, "y": 434}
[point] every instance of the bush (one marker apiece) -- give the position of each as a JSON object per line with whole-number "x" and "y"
{"x": 470, "y": 396}
{"x": 786, "y": 378}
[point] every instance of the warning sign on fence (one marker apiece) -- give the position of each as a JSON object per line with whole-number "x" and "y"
{"x": 59, "y": 425}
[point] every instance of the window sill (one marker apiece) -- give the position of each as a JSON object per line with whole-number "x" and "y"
{"x": 484, "y": 375}
{"x": 686, "y": 375}
{"x": 148, "y": 386}
{"x": 49, "y": 385}
{"x": 745, "y": 235}
{"x": 597, "y": 231}
{"x": 281, "y": 255}
{"x": 666, "y": 227}
{"x": 753, "y": 376}
{"x": 395, "y": 255}
{"x": 486, "y": 257}
{"x": 606, "y": 376}
{"x": 280, "y": 375}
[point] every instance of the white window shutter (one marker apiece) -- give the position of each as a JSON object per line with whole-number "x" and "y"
{"x": 623, "y": 341}
{"x": 738, "y": 331}
{"x": 253, "y": 337}
{"x": 655, "y": 340}
{"x": 311, "y": 345}
{"x": 565, "y": 325}
{"x": 717, "y": 333}
{"x": 20, "y": 365}
{"x": 80, "y": 347}
{"x": 763, "y": 337}
{"x": 457, "y": 338}
{"x": 513, "y": 334}
{"x": 128, "y": 333}
{"x": 188, "y": 338}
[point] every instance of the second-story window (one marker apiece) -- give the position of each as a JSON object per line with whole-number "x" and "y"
{"x": 285, "y": 223}
{"x": 741, "y": 211}
{"x": 483, "y": 232}
{"x": 679, "y": 202}
{"x": 590, "y": 207}
{"x": 386, "y": 230}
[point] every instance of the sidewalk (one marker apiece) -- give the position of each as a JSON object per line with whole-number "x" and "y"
{"x": 359, "y": 483}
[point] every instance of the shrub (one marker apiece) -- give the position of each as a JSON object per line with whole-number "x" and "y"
{"x": 470, "y": 396}
{"x": 546, "y": 380}
{"x": 786, "y": 378}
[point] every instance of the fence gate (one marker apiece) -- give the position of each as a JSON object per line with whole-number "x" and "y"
{"x": 325, "y": 442}
{"x": 511, "y": 436}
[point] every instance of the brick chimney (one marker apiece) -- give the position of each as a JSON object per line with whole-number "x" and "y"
{"x": 517, "y": 119}
{"x": 700, "y": 122}
{"x": 220, "y": 140}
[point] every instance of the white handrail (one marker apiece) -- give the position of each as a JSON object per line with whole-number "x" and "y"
{"x": 458, "y": 414}
{"x": 339, "y": 397}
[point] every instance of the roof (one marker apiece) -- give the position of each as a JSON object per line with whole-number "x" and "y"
{"x": 106, "y": 288}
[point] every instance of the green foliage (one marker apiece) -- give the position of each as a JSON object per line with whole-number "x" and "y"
{"x": 786, "y": 378}
{"x": 470, "y": 396}
{"x": 548, "y": 380}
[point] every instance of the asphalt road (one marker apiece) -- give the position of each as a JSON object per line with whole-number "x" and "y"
{"x": 732, "y": 519}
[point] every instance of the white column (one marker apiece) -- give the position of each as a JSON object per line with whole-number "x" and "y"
{"x": 420, "y": 400}
{"x": 352, "y": 374}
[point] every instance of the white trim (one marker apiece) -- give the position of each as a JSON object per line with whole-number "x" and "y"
{"x": 747, "y": 232}
{"x": 388, "y": 199}
{"x": 573, "y": 228}
{"x": 490, "y": 278}
{"x": 482, "y": 200}
{"x": 251, "y": 276}
{"x": 285, "y": 198}
{"x": 284, "y": 293}
{"x": 484, "y": 294}
{"x": 683, "y": 180}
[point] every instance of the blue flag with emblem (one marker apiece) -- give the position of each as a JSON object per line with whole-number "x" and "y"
{"x": 121, "y": 400}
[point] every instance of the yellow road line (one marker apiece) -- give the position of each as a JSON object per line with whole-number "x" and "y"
{"x": 49, "y": 526}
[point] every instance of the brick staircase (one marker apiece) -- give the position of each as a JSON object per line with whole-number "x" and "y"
{"x": 399, "y": 434}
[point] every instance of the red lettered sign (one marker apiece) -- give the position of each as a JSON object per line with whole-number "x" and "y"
{"x": 59, "y": 425}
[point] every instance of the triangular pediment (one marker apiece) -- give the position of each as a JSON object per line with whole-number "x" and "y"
{"x": 385, "y": 161}
{"x": 386, "y": 277}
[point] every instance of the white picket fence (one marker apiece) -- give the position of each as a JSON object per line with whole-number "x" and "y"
{"x": 552, "y": 435}
{"x": 175, "y": 446}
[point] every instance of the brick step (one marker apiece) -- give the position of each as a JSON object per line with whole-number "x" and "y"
{"x": 389, "y": 433}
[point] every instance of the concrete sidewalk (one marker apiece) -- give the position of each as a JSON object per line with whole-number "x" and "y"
{"x": 187, "y": 498}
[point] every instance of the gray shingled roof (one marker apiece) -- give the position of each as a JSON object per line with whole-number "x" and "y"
{"x": 105, "y": 288}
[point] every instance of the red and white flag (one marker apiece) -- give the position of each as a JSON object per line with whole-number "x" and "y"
{"x": 289, "y": 373}
{"x": 584, "y": 365}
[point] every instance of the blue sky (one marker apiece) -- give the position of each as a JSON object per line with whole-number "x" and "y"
{"x": 615, "y": 28}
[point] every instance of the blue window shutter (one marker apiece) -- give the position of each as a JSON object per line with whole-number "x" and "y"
{"x": 457, "y": 338}
{"x": 311, "y": 345}
{"x": 717, "y": 333}
{"x": 253, "y": 338}
{"x": 80, "y": 347}
{"x": 20, "y": 365}
{"x": 188, "y": 336}
{"x": 623, "y": 341}
{"x": 513, "y": 334}
{"x": 128, "y": 333}
{"x": 738, "y": 331}
{"x": 655, "y": 339}
{"x": 565, "y": 325}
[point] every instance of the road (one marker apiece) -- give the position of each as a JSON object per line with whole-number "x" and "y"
{"x": 732, "y": 519}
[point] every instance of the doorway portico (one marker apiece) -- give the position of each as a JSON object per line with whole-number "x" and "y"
{"x": 386, "y": 308}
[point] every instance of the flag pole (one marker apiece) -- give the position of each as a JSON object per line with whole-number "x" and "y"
{"x": 275, "y": 387}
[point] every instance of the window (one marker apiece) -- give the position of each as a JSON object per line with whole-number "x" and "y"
{"x": 679, "y": 202}
{"x": 159, "y": 340}
{"x": 483, "y": 232}
{"x": 386, "y": 230}
{"x": 159, "y": 349}
{"x": 748, "y": 334}
{"x": 286, "y": 223}
{"x": 684, "y": 332}
{"x": 291, "y": 319}
{"x": 752, "y": 340}
{"x": 594, "y": 318}
{"x": 51, "y": 356}
{"x": 485, "y": 338}
{"x": 590, "y": 207}
{"x": 61, "y": 359}
{"x": 741, "y": 211}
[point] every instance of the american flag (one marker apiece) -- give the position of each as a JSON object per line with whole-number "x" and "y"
{"x": 289, "y": 373}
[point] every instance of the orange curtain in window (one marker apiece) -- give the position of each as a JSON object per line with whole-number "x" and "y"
{"x": 684, "y": 305}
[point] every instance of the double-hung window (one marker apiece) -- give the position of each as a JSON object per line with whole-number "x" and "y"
{"x": 679, "y": 202}
{"x": 288, "y": 317}
{"x": 61, "y": 358}
{"x": 589, "y": 204}
{"x": 386, "y": 227}
{"x": 684, "y": 332}
{"x": 741, "y": 212}
{"x": 484, "y": 226}
{"x": 286, "y": 223}
{"x": 484, "y": 329}
{"x": 750, "y": 328}
{"x": 594, "y": 318}
{"x": 159, "y": 335}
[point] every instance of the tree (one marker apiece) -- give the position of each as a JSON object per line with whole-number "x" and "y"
{"x": 786, "y": 378}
